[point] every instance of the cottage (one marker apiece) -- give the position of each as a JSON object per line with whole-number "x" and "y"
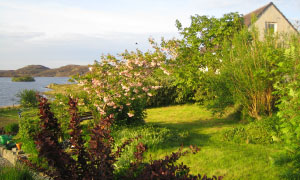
{"x": 269, "y": 19}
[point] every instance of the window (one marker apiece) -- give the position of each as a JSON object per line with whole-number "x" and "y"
{"x": 271, "y": 27}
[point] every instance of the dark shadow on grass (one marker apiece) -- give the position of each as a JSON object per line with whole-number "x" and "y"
{"x": 195, "y": 137}
{"x": 201, "y": 123}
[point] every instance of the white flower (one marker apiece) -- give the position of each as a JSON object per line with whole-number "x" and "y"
{"x": 130, "y": 114}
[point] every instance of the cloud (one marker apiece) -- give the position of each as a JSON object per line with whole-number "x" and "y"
{"x": 20, "y": 35}
{"x": 56, "y": 20}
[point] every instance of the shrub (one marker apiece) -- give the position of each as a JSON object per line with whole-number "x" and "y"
{"x": 264, "y": 131}
{"x": 28, "y": 127}
{"x": 27, "y": 98}
{"x": 120, "y": 87}
{"x": 12, "y": 128}
{"x": 165, "y": 95}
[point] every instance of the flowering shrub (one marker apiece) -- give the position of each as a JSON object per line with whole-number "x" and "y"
{"x": 120, "y": 87}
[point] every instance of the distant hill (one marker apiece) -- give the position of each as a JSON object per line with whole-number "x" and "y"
{"x": 31, "y": 70}
{"x": 42, "y": 71}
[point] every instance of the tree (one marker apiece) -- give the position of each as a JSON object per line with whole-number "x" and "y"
{"x": 27, "y": 98}
{"x": 196, "y": 57}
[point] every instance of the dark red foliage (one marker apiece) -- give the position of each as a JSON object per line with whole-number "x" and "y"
{"x": 48, "y": 145}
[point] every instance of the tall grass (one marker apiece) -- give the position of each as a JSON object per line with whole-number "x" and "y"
{"x": 15, "y": 173}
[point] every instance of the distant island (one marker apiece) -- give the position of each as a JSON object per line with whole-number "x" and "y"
{"x": 23, "y": 79}
{"x": 42, "y": 71}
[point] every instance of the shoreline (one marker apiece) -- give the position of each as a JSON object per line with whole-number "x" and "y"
{"x": 10, "y": 106}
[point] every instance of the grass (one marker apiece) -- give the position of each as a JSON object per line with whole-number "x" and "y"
{"x": 194, "y": 125}
{"x": 8, "y": 115}
{"x": 15, "y": 173}
{"x": 231, "y": 160}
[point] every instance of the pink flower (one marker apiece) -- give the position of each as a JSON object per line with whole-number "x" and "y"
{"x": 149, "y": 94}
{"x": 156, "y": 87}
{"x": 164, "y": 49}
{"x": 136, "y": 91}
{"x": 105, "y": 99}
{"x": 137, "y": 74}
{"x": 111, "y": 104}
{"x": 153, "y": 64}
{"x": 102, "y": 112}
{"x": 145, "y": 89}
{"x": 165, "y": 71}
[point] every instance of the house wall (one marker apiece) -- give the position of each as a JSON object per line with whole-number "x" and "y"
{"x": 272, "y": 15}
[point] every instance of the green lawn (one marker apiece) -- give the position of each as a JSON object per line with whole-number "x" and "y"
{"x": 8, "y": 115}
{"x": 231, "y": 160}
{"x": 201, "y": 128}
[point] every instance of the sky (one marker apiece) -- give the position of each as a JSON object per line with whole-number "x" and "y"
{"x": 55, "y": 33}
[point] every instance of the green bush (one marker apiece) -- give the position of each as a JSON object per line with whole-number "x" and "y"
{"x": 258, "y": 132}
{"x": 27, "y": 98}
{"x": 28, "y": 127}
{"x": 23, "y": 79}
{"x": 288, "y": 88}
{"x": 166, "y": 95}
{"x": 15, "y": 173}
{"x": 12, "y": 128}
